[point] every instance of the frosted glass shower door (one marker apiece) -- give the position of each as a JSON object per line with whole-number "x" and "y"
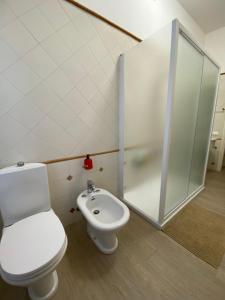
{"x": 204, "y": 120}
{"x": 146, "y": 68}
{"x": 184, "y": 115}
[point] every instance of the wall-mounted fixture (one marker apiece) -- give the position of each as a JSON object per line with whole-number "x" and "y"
{"x": 88, "y": 164}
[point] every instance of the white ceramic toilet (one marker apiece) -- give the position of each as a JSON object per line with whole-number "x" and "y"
{"x": 105, "y": 215}
{"x": 33, "y": 240}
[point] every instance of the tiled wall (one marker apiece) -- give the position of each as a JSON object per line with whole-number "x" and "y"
{"x": 58, "y": 92}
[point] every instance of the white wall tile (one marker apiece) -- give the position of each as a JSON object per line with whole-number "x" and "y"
{"x": 60, "y": 188}
{"x": 37, "y": 24}
{"x": 71, "y": 37}
{"x": 115, "y": 53}
{"x": 87, "y": 88}
{"x": 98, "y": 104}
{"x": 48, "y": 130}
{"x": 74, "y": 69}
{"x": 98, "y": 76}
{"x": 40, "y": 62}
{"x": 10, "y": 157}
{"x": 35, "y": 149}
{"x": 86, "y": 58}
{"x": 58, "y": 93}
{"x": 62, "y": 206}
{"x": 43, "y": 97}
{"x": 10, "y": 132}
{"x": 109, "y": 91}
{"x": 89, "y": 116}
{"x": 71, "y": 10}
{"x": 18, "y": 38}
{"x": 6, "y": 14}
{"x": 22, "y": 77}
{"x": 75, "y": 167}
{"x": 56, "y": 48}
{"x": 26, "y": 113}
{"x": 84, "y": 26}
{"x": 90, "y": 143}
{"x": 97, "y": 47}
{"x": 109, "y": 68}
{"x": 21, "y": 6}
{"x": 78, "y": 130}
{"x": 59, "y": 83}
{"x": 9, "y": 95}
{"x": 59, "y": 170}
{"x": 63, "y": 203}
{"x": 54, "y": 13}
{"x": 7, "y": 56}
{"x": 75, "y": 101}
{"x": 107, "y": 34}
{"x": 62, "y": 115}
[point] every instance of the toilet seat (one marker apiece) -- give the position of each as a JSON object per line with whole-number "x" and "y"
{"x": 31, "y": 247}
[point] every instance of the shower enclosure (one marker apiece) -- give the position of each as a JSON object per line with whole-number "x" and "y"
{"x": 167, "y": 97}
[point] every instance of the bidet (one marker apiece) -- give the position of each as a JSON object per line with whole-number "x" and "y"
{"x": 105, "y": 215}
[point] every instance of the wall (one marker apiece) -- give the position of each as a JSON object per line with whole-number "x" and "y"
{"x": 144, "y": 17}
{"x": 215, "y": 45}
{"x": 58, "y": 85}
{"x": 58, "y": 93}
{"x": 57, "y": 74}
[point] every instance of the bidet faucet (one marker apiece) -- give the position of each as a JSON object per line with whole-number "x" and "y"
{"x": 90, "y": 186}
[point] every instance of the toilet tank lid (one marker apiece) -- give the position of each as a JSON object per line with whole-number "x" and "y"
{"x": 15, "y": 168}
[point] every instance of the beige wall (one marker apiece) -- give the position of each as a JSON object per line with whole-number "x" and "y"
{"x": 58, "y": 88}
{"x": 58, "y": 81}
{"x": 58, "y": 93}
{"x": 215, "y": 45}
{"x": 146, "y": 16}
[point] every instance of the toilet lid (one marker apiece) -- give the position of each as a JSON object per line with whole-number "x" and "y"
{"x": 31, "y": 243}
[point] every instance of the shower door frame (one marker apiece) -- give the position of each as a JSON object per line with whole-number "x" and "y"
{"x": 177, "y": 28}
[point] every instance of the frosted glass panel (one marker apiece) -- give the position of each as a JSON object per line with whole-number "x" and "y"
{"x": 146, "y": 76}
{"x": 205, "y": 112}
{"x": 184, "y": 115}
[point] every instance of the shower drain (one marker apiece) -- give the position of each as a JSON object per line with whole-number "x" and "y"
{"x": 96, "y": 211}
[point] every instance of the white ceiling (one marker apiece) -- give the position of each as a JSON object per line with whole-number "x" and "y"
{"x": 209, "y": 14}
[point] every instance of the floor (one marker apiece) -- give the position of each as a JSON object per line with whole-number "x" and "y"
{"x": 147, "y": 265}
{"x": 213, "y": 196}
{"x": 200, "y": 226}
{"x": 199, "y": 230}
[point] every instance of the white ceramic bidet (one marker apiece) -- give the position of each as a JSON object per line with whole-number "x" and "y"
{"x": 105, "y": 215}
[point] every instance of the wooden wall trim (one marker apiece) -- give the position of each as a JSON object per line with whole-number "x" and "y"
{"x": 93, "y": 13}
{"x": 57, "y": 160}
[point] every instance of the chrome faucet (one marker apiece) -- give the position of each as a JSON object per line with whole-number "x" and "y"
{"x": 90, "y": 186}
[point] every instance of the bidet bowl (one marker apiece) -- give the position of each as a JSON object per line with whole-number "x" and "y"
{"x": 105, "y": 215}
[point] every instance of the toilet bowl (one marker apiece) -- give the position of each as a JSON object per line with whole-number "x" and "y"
{"x": 105, "y": 215}
{"x": 33, "y": 240}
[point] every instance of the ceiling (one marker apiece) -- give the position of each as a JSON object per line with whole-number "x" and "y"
{"x": 209, "y": 14}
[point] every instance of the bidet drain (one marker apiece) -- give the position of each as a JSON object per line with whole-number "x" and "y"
{"x": 96, "y": 211}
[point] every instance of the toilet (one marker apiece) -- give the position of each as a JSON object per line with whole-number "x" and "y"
{"x": 105, "y": 215}
{"x": 33, "y": 239}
